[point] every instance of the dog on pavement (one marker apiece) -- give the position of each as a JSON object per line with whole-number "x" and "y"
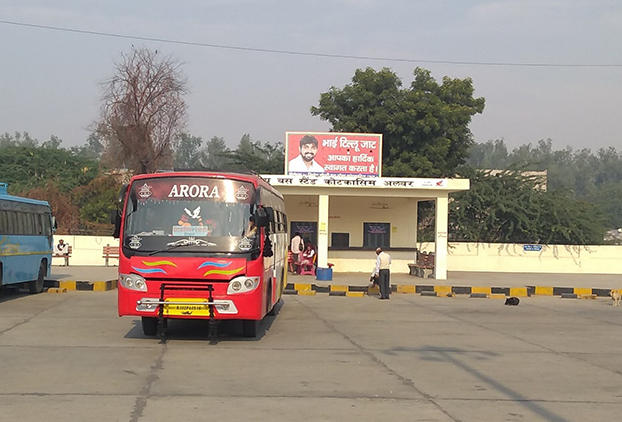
{"x": 512, "y": 301}
{"x": 615, "y": 297}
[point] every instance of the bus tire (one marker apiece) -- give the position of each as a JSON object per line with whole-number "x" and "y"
{"x": 36, "y": 286}
{"x": 249, "y": 327}
{"x": 273, "y": 310}
{"x": 150, "y": 326}
{"x": 269, "y": 304}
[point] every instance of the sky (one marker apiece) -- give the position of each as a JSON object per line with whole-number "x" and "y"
{"x": 546, "y": 68}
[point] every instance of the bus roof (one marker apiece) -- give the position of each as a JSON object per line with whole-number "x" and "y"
{"x": 255, "y": 179}
{"x": 4, "y": 195}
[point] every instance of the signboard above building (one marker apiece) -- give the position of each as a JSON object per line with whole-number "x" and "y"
{"x": 353, "y": 181}
{"x": 333, "y": 153}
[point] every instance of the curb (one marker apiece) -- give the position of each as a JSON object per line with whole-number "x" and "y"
{"x": 62, "y": 286}
{"x": 450, "y": 291}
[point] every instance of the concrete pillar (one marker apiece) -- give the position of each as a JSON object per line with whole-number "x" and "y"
{"x": 416, "y": 220}
{"x": 440, "y": 238}
{"x": 322, "y": 232}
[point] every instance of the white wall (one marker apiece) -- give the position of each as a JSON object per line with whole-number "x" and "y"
{"x": 484, "y": 257}
{"x": 86, "y": 250}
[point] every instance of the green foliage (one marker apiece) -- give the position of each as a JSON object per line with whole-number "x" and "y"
{"x": 424, "y": 127}
{"x": 25, "y": 168}
{"x": 509, "y": 207}
{"x": 19, "y": 139}
{"x": 97, "y": 199}
{"x": 93, "y": 148}
{"x": 214, "y": 154}
{"x": 595, "y": 177}
{"x": 257, "y": 157}
{"x": 187, "y": 152}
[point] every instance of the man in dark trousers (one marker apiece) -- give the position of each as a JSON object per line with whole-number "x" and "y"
{"x": 383, "y": 263}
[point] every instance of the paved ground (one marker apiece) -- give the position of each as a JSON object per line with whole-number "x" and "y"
{"x": 69, "y": 358}
{"x": 455, "y": 278}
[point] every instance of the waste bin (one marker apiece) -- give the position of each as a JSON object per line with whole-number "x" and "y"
{"x": 325, "y": 274}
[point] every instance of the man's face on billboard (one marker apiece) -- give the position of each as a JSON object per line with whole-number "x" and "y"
{"x": 308, "y": 152}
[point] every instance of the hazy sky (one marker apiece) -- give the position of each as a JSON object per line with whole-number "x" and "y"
{"x": 50, "y": 80}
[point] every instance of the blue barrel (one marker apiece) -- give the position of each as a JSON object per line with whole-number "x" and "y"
{"x": 325, "y": 274}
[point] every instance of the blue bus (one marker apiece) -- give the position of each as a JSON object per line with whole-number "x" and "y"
{"x": 26, "y": 242}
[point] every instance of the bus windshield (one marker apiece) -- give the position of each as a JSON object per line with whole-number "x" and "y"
{"x": 190, "y": 215}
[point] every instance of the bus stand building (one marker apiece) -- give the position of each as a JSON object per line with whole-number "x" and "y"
{"x": 348, "y": 214}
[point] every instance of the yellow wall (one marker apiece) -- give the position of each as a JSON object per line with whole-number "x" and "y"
{"x": 347, "y": 214}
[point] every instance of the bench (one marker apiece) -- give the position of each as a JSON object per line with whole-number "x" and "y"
{"x": 58, "y": 255}
{"x": 110, "y": 252}
{"x": 424, "y": 261}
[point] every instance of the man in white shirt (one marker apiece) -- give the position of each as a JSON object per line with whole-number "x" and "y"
{"x": 305, "y": 162}
{"x": 296, "y": 246}
{"x": 383, "y": 263}
{"x": 62, "y": 249}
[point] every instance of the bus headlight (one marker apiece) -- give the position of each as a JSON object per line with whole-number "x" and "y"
{"x": 242, "y": 285}
{"x": 133, "y": 282}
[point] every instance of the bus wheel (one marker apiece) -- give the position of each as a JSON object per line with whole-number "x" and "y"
{"x": 36, "y": 286}
{"x": 273, "y": 310}
{"x": 249, "y": 328}
{"x": 150, "y": 326}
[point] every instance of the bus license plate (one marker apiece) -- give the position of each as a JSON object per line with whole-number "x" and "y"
{"x": 188, "y": 308}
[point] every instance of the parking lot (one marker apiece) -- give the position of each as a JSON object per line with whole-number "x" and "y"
{"x": 68, "y": 357}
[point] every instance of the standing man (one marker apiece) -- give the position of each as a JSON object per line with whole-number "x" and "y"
{"x": 305, "y": 162}
{"x": 296, "y": 247}
{"x": 383, "y": 263}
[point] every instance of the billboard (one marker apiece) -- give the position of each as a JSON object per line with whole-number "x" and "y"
{"x": 333, "y": 153}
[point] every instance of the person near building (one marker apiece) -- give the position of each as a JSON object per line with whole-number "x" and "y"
{"x": 296, "y": 246}
{"x": 62, "y": 249}
{"x": 308, "y": 257}
{"x": 382, "y": 273}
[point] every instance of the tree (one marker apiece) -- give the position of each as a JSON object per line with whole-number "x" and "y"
{"x": 93, "y": 148}
{"x": 595, "y": 177}
{"x": 509, "y": 207}
{"x": 489, "y": 155}
{"x": 25, "y": 168}
{"x": 188, "y": 153}
{"x": 97, "y": 199}
{"x": 424, "y": 127}
{"x": 19, "y": 139}
{"x": 143, "y": 110}
{"x": 215, "y": 154}
{"x": 53, "y": 143}
{"x": 256, "y": 157}
{"x": 67, "y": 213}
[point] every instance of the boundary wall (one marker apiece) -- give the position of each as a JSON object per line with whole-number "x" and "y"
{"x": 476, "y": 257}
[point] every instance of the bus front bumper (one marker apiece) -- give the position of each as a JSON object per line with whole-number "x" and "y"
{"x": 186, "y": 307}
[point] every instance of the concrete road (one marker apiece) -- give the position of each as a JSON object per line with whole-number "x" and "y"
{"x": 68, "y": 357}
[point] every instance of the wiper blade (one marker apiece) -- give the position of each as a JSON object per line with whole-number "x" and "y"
{"x": 184, "y": 242}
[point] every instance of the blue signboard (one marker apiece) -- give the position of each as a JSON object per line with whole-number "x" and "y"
{"x": 533, "y": 248}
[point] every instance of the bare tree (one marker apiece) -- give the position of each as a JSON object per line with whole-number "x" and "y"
{"x": 143, "y": 111}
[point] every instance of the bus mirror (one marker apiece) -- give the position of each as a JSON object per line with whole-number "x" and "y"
{"x": 261, "y": 218}
{"x": 115, "y": 218}
{"x": 54, "y": 224}
{"x": 270, "y": 212}
{"x": 122, "y": 193}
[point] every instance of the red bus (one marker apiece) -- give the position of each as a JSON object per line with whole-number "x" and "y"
{"x": 200, "y": 245}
